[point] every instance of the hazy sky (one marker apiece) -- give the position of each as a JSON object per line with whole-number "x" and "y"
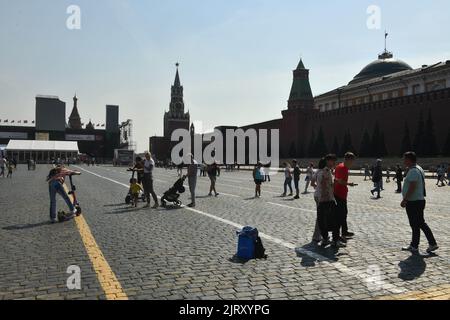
{"x": 236, "y": 56}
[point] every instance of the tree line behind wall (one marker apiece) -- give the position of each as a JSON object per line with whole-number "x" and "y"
{"x": 373, "y": 145}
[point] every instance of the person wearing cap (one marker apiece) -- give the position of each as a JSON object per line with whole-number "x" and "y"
{"x": 377, "y": 178}
{"x": 192, "y": 173}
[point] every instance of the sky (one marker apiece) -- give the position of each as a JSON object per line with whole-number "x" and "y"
{"x": 236, "y": 56}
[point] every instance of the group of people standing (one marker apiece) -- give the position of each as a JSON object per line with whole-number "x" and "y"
{"x": 9, "y": 165}
{"x": 331, "y": 198}
{"x": 144, "y": 169}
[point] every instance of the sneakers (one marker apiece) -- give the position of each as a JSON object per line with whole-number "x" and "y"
{"x": 325, "y": 242}
{"x": 217, "y": 194}
{"x": 283, "y": 195}
{"x": 191, "y": 205}
{"x": 53, "y": 221}
{"x": 348, "y": 235}
{"x": 339, "y": 244}
{"x": 431, "y": 248}
{"x": 343, "y": 239}
{"x": 156, "y": 205}
{"x": 297, "y": 197}
{"x": 410, "y": 249}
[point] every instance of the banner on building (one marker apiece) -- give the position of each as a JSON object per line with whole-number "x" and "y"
{"x": 14, "y": 135}
{"x": 80, "y": 137}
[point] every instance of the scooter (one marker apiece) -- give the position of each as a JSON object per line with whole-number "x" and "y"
{"x": 65, "y": 216}
{"x": 128, "y": 198}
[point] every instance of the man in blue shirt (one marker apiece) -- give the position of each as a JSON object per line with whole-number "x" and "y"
{"x": 414, "y": 193}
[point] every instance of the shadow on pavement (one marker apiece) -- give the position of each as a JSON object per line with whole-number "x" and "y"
{"x": 27, "y": 226}
{"x": 308, "y": 261}
{"x": 413, "y": 267}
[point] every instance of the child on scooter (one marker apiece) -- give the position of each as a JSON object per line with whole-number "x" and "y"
{"x": 135, "y": 189}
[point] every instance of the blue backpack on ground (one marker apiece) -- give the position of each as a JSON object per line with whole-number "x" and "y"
{"x": 247, "y": 238}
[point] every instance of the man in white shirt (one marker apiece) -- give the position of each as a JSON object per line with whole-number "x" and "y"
{"x": 147, "y": 181}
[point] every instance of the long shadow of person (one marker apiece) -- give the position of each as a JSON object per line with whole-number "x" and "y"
{"x": 312, "y": 253}
{"x": 412, "y": 268}
{"x": 27, "y": 226}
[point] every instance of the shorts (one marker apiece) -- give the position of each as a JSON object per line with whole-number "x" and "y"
{"x": 258, "y": 182}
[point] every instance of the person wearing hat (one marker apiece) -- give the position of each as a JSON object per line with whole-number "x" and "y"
{"x": 377, "y": 178}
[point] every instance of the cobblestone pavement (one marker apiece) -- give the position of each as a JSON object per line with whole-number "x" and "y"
{"x": 186, "y": 253}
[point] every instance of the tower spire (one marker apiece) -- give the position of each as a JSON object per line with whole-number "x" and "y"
{"x": 177, "y": 76}
{"x": 75, "y": 119}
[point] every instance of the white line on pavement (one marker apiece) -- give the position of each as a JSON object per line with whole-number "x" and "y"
{"x": 367, "y": 279}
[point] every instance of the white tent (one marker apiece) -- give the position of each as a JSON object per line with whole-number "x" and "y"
{"x": 41, "y": 151}
{"x": 35, "y": 145}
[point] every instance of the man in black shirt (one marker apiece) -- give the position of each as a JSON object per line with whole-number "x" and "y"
{"x": 399, "y": 178}
{"x": 297, "y": 172}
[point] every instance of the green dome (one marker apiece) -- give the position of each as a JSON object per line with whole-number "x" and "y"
{"x": 380, "y": 68}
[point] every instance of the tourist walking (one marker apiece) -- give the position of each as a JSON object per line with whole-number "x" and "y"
{"x": 149, "y": 165}
{"x": 317, "y": 236}
{"x": 10, "y": 169}
{"x": 212, "y": 174}
{"x": 297, "y": 173}
{"x": 414, "y": 194}
{"x": 341, "y": 185}
{"x": 440, "y": 176}
{"x": 399, "y": 178}
{"x": 192, "y": 172}
{"x": 309, "y": 177}
{"x": 3, "y": 163}
{"x": 326, "y": 212}
{"x": 377, "y": 179}
{"x": 366, "y": 172}
{"x": 287, "y": 180}
{"x": 258, "y": 177}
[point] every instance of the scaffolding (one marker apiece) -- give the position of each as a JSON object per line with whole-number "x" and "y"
{"x": 126, "y": 136}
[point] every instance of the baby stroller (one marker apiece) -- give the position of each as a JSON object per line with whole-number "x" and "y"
{"x": 173, "y": 194}
{"x": 128, "y": 197}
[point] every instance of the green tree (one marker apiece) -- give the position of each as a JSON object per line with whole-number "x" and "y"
{"x": 375, "y": 143}
{"x": 321, "y": 146}
{"x": 446, "y": 148}
{"x": 430, "y": 147}
{"x": 335, "y": 148}
{"x": 292, "y": 151}
{"x": 419, "y": 140}
{"x": 365, "y": 149}
{"x": 347, "y": 145}
{"x": 406, "y": 141}
{"x": 382, "y": 145}
{"x": 312, "y": 145}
